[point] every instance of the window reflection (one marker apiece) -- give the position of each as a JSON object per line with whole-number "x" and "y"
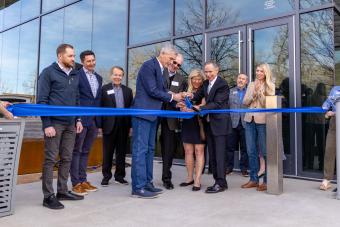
{"x": 189, "y": 16}
{"x": 28, "y": 57}
{"x": 304, "y": 4}
{"x": 11, "y": 13}
{"x": 317, "y": 78}
{"x": 191, "y": 49}
{"x": 137, "y": 56}
{"x": 48, "y": 5}
{"x": 9, "y": 69}
{"x": 78, "y": 32}
{"x": 109, "y": 34}
{"x": 228, "y": 12}
{"x": 150, "y": 20}
{"x": 51, "y": 37}
{"x": 29, "y": 9}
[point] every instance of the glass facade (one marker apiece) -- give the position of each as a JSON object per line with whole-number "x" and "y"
{"x": 304, "y": 52}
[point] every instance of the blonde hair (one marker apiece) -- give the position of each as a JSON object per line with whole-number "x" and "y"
{"x": 269, "y": 84}
{"x": 194, "y": 73}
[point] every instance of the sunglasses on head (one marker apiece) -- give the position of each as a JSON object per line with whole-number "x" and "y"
{"x": 176, "y": 63}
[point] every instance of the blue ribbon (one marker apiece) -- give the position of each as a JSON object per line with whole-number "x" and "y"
{"x": 22, "y": 110}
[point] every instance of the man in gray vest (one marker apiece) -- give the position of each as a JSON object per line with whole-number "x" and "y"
{"x": 237, "y": 139}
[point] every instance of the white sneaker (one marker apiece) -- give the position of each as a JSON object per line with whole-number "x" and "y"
{"x": 325, "y": 185}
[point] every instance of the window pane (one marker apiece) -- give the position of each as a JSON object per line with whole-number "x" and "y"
{"x": 150, "y": 20}
{"x": 191, "y": 49}
{"x": 2, "y": 7}
{"x": 11, "y": 13}
{"x": 304, "y": 4}
{"x": 189, "y": 16}
{"x": 28, "y": 57}
{"x": 51, "y": 36}
{"x": 228, "y": 12}
{"x": 137, "y": 57}
{"x": 317, "y": 78}
{"x": 109, "y": 34}
{"x": 78, "y": 33}
{"x": 29, "y": 9}
{"x": 48, "y": 5}
{"x": 9, "y": 69}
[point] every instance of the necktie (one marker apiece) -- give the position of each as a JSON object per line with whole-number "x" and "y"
{"x": 209, "y": 88}
{"x": 93, "y": 85}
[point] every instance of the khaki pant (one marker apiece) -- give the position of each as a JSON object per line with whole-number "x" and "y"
{"x": 330, "y": 151}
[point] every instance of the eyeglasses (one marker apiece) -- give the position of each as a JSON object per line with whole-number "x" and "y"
{"x": 176, "y": 63}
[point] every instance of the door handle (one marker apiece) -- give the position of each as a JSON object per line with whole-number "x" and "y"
{"x": 250, "y": 46}
{"x": 240, "y": 41}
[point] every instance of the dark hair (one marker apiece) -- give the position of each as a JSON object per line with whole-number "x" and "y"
{"x": 86, "y": 53}
{"x": 62, "y": 48}
{"x": 117, "y": 67}
{"x": 213, "y": 63}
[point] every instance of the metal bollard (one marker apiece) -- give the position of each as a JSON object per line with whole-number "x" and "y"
{"x": 338, "y": 147}
{"x": 274, "y": 147}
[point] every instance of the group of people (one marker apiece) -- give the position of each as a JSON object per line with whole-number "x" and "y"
{"x": 159, "y": 86}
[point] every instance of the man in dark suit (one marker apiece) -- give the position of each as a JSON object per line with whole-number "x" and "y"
{"x": 90, "y": 84}
{"x": 151, "y": 93}
{"x": 169, "y": 126}
{"x": 216, "y": 93}
{"x": 115, "y": 129}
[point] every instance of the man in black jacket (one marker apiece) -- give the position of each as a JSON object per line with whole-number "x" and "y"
{"x": 217, "y": 126}
{"x": 115, "y": 129}
{"x": 58, "y": 85}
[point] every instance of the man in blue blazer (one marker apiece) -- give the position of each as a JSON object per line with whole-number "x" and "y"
{"x": 151, "y": 93}
{"x": 90, "y": 84}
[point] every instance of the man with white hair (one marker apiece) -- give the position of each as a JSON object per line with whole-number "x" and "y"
{"x": 151, "y": 93}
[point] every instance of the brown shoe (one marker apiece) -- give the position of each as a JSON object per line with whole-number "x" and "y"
{"x": 88, "y": 187}
{"x": 250, "y": 184}
{"x": 262, "y": 187}
{"x": 79, "y": 190}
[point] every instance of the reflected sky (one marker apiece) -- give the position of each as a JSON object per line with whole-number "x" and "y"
{"x": 189, "y": 16}
{"x": 150, "y": 20}
{"x": 48, "y": 5}
{"x": 227, "y": 12}
{"x": 304, "y": 4}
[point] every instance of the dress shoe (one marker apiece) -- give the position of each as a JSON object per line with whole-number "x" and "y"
{"x": 121, "y": 181}
{"x": 250, "y": 184}
{"x": 229, "y": 171}
{"x": 168, "y": 185}
{"x": 184, "y": 184}
{"x": 151, "y": 188}
{"x": 144, "y": 194}
{"x": 105, "y": 182}
{"x": 53, "y": 203}
{"x": 245, "y": 173}
{"x": 335, "y": 190}
{"x": 262, "y": 187}
{"x": 260, "y": 174}
{"x": 195, "y": 188}
{"x": 69, "y": 196}
{"x": 215, "y": 189}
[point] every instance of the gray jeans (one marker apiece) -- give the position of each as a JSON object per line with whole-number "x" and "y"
{"x": 62, "y": 144}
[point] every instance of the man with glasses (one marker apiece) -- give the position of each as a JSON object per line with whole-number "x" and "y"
{"x": 170, "y": 126}
{"x": 151, "y": 93}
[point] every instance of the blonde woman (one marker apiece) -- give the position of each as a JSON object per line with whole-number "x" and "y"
{"x": 255, "y": 97}
{"x": 193, "y": 137}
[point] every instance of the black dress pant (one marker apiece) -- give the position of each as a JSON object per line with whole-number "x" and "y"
{"x": 117, "y": 141}
{"x": 217, "y": 146}
{"x": 168, "y": 147}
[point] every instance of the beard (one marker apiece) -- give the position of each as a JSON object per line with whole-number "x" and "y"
{"x": 69, "y": 64}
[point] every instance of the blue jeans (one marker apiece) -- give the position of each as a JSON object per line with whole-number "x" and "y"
{"x": 143, "y": 148}
{"x": 256, "y": 141}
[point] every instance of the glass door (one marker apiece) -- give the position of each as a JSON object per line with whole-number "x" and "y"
{"x": 272, "y": 43}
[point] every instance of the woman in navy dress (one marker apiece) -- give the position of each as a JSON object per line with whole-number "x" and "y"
{"x": 193, "y": 137}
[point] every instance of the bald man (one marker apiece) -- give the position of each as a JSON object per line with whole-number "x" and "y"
{"x": 237, "y": 138}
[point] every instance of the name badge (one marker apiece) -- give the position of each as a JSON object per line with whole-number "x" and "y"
{"x": 110, "y": 92}
{"x": 174, "y": 83}
{"x": 234, "y": 92}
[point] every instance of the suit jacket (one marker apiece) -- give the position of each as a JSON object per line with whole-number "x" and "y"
{"x": 218, "y": 98}
{"x": 235, "y": 103}
{"x": 151, "y": 89}
{"x": 177, "y": 85}
{"x": 86, "y": 97}
{"x": 109, "y": 100}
